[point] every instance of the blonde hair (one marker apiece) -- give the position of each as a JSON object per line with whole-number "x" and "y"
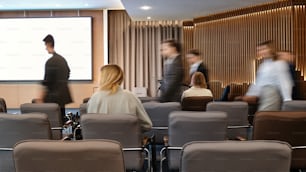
{"x": 198, "y": 80}
{"x": 111, "y": 76}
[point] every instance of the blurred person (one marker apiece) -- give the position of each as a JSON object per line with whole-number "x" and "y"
{"x": 199, "y": 86}
{"x": 112, "y": 99}
{"x": 56, "y": 77}
{"x": 196, "y": 64}
{"x": 273, "y": 81}
{"x": 173, "y": 72}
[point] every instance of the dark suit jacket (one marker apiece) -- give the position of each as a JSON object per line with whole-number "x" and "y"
{"x": 203, "y": 69}
{"x": 56, "y": 81}
{"x": 172, "y": 81}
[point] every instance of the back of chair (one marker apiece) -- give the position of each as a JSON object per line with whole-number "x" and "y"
{"x": 159, "y": 114}
{"x": 66, "y": 156}
{"x": 285, "y": 126}
{"x": 295, "y": 105}
{"x": 248, "y": 156}
{"x": 196, "y": 103}
{"x": 14, "y": 128}
{"x": 237, "y": 114}
{"x": 51, "y": 109}
{"x": 186, "y": 126}
{"x": 123, "y": 128}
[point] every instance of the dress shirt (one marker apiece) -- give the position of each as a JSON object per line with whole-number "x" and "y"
{"x": 274, "y": 73}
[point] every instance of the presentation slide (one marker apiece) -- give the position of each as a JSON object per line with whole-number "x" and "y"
{"x": 23, "y": 54}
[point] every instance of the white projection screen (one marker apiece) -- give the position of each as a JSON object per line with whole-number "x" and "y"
{"x": 23, "y": 54}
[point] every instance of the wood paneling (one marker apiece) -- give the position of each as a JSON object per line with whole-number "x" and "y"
{"x": 228, "y": 40}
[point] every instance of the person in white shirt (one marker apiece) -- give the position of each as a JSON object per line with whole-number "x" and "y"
{"x": 199, "y": 86}
{"x": 112, "y": 99}
{"x": 273, "y": 81}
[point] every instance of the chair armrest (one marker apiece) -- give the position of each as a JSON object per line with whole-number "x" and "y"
{"x": 160, "y": 128}
{"x": 298, "y": 147}
{"x": 57, "y": 128}
{"x": 238, "y": 126}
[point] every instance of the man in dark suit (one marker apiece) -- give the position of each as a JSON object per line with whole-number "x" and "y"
{"x": 56, "y": 77}
{"x": 196, "y": 64}
{"x": 173, "y": 72}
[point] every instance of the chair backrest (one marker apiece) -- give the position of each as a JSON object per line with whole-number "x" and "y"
{"x": 237, "y": 115}
{"x": 66, "y": 156}
{"x": 285, "y": 126}
{"x": 3, "y": 105}
{"x": 83, "y": 108}
{"x": 264, "y": 156}
{"x": 51, "y": 109}
{"x": 295, "y": 105}
{"x": 196, "y": 103}
{"x": 187, "y": 126}
{"x": 14, "y": 128}
{"x": 159, "y": 115}
{"x": 123, "y": 128}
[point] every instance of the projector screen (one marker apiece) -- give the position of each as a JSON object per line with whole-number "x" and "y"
{"x": 23, "y": 54}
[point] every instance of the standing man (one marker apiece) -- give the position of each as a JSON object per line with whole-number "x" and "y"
{"x": 173, "y": 72}
{"x": 273, "y": 81}
{"x": 196, "y": 64}
{"x": 56, "y": 78}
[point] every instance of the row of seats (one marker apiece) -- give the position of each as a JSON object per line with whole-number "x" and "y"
{"x": 183, "y": 129}
{"x": 107, "y": 155}
{"x": 157, "y": 105}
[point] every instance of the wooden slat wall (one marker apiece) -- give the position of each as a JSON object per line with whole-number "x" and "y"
{"x": 229, "y": 44}
{"x": 188, "y": 39}
{"x": 299, "y": 23}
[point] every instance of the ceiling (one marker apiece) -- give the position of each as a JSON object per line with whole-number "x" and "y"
{"x": 160, "y": 9}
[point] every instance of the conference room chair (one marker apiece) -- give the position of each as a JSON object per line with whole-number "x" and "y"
{"x": 68, "y": 156}
{"x": 14, "y": 128}
{"x": 123, "y": 128}
{"x": 247, "y": 156}
{"x": 237, "y": 115}
{"x": 284, "y": 126}
{"x": 53, "y": 112}
{"x": 294, "y": 105}
{"x": 187, "y": 126}
{"x": 196, "y": 103}
{"x": 159, "y": 115}
{"x": 3, "y": 105}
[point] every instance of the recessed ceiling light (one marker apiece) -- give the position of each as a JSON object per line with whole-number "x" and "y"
{"x": 145, "y": 7}
{"x": 148, "y": 18}
{"x": 86, "y": 5}
{"x": 58, "y": 5}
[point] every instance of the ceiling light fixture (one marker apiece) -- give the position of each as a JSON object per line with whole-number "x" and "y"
{"x": 148, "y": 18}
{"x": 86, "y": 5}
{"x": 145, "y": 7}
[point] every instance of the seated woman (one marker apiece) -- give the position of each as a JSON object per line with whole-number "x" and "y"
{"x": 112, "y": 99}
{"x": 199, "y": 87}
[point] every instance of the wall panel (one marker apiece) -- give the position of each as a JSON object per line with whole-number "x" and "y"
{"x": 229, "y": 44}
